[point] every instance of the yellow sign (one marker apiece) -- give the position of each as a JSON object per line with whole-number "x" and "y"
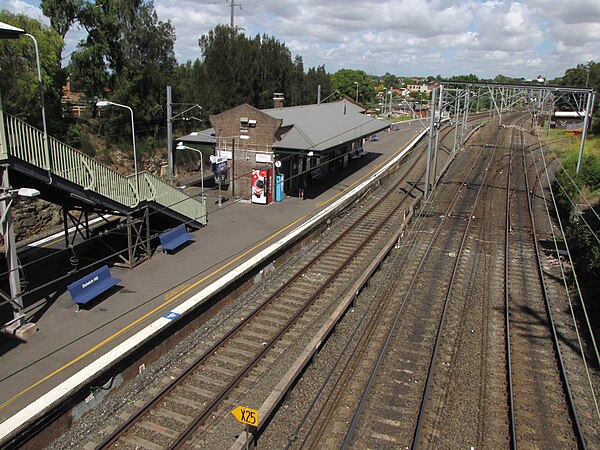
{"x": 246, "y": 415}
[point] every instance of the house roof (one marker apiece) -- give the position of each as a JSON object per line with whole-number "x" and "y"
{"x": 320, "y": 127}
{"x": 206, "y": 137}
{"x": 312, "y": 127}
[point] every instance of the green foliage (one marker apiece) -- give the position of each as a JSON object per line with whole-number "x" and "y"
{"x": 80, "y": 138}
{"x": 465, "y": 78}
{"x": 585, "y": 247}
{"x": 237, "y": 69}
{"x": 18, "y": 70}
{"x": 344, "y": 81}
{"x": 586, "y": 75}
{"x": 314, "y": 78}
{"x": 568, "y": 188}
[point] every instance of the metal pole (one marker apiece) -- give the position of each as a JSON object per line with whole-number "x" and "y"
{"x": 233, "y": 168}
{"x": 588, "y": 113}
{"x": 41, "y": 90}
{"x": 219, "y": 202}
{"x": 135, "y": 166}
{"x": 456, "y": 116}
{"x": 431, "y": 131}
{"x": 10, "y": 249}
{"x": 170, "y": 162}
{"x": 202, "y": 175}
{"x": 465, "y": 116}
{"x": 319, "y": 94}
{"x": 437, "y": 135}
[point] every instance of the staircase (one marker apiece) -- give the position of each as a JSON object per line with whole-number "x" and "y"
{"x": 26, "y": 143}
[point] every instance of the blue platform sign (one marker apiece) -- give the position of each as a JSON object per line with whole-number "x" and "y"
{"x": 171, "y": 315}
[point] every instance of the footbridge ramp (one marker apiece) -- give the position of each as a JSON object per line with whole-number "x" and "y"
{"x": 70, "y": 178}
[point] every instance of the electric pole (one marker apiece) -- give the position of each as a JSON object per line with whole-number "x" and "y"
{"x": 233, "y": 4}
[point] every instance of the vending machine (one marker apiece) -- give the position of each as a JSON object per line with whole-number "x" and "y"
{"x": 260, "y": 186}
{"x": 279, "y": 195}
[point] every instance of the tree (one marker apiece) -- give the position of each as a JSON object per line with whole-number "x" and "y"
{"x": 344, "y": 81}
{"x": 298, "y": 93}
{"x": 128, "y": 57}
{"x": 586, "y": 75}
{"x": 316, "y": 77}
{"x": 238, "y": 69}
{"x": 465, "y": 78}
{"x": 18, "y": 69}
{"x": 390, "y": 80}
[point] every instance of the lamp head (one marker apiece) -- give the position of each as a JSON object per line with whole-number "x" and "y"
{"x": 180, "y": 146}
{"x": 103, "y": 103}
{"x": 28, "y": 192}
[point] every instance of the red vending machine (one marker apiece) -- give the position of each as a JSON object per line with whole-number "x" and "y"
{"x": 261, "y": 187}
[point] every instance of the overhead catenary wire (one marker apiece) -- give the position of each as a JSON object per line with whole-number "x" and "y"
{"x": 565, "y": 281}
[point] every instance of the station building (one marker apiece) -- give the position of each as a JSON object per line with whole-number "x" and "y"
{"x": 307, "y": 141}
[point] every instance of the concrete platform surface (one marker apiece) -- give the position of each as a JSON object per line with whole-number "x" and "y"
{"x": 69, "y": 341}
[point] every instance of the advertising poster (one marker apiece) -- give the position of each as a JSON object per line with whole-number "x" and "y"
{"x": 259, "y": 186}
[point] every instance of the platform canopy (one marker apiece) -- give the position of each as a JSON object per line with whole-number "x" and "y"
{"x": 9, "y": 32}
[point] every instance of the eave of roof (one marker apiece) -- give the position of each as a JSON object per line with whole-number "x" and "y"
{"x": 206, "y": 137}
{"x": 325, "y": 126}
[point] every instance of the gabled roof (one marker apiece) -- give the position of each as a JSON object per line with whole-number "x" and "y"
{"x": 320, "y": 127}
{"x": 312, "y": 127}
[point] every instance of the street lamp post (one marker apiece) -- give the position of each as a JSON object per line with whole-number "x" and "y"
{"x": 16, "y": 299}
{"x": 181, "y": 146}
{"x": 104, "y": 103}
{"x": 356, "y": 83}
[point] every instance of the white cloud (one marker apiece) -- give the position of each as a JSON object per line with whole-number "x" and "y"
{"x": 405, "y": 37}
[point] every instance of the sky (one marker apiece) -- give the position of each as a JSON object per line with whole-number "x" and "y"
{"x": 403, "y": 37}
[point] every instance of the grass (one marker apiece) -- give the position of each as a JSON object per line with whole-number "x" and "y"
{"x": 566, "y": 146}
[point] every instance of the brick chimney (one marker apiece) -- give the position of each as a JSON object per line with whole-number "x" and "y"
{"x": 278, "y": 100}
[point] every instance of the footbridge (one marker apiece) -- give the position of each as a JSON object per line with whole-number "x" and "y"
{"x": 82, "y": 186}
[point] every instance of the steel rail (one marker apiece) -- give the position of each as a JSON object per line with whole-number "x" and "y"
{"x": 438, "y": 338}
{"x": 571, "y": 403}
{"x": 379, "y": 306}
{"x": 375, "y": 370}
{"x": 511, "y": 400}
{"x": 114, "y": 437}
{"x": 185, "y": 436}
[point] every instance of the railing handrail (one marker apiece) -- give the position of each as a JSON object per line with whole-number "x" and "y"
{"x": 26, "y": 142}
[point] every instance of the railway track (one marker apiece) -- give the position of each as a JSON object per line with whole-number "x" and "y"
{"x": 542, "y": 411}
{"x": 457, "y": 396}
{"x": 415, "y": 324}
{"x": 395, "y": 400}
{"x": 198, "y": 397}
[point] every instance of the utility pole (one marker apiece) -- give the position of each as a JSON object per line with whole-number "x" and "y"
{"x": 170, "y": 159}
{"x": 233, "y": 4}
{"x": 430, "y": 145}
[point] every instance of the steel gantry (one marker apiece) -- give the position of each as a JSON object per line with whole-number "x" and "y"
{"x": 454, "y": 101}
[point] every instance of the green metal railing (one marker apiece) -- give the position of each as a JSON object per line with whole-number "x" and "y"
{"x": 27, "y": 143}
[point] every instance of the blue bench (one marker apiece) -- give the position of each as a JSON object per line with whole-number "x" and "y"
{"x": 174, "y": 238}
{"x": 92, "y": 285}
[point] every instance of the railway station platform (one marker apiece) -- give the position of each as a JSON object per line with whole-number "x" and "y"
{"x": 71, "y": 344}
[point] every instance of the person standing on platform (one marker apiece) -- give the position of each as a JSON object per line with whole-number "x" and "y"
{"x": 302, "y": 186}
